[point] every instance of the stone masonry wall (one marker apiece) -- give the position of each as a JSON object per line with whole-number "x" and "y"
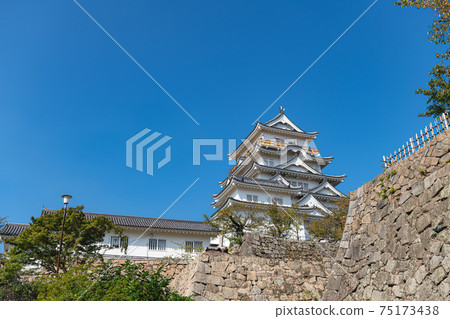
{"x": 170, "y": 269}
{"x": 396, "y": 243}
{"x": 265, "y": 268}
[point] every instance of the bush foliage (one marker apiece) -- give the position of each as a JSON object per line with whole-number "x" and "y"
{"x": 332, "y": 226}
{"x": 108, "y": 282}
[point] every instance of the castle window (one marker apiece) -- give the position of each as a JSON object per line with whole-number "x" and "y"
{"x": 299, "y": 184}
{"x": 157, "y": 244}
{"x": 252, "y": 198}
{"x": 193, "y": 246}
{"x": 117, "y": 242}
{"x": 277, "y": 200}
{"x": 294, "y": 183}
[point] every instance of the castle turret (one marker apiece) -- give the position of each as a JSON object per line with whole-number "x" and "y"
{"x": 277, "y": 163}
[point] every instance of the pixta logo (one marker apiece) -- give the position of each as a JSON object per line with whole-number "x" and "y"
{"x": 142, "y": 141}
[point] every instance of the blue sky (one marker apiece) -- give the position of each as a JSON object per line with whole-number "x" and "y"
{"x": 70, "y": 98}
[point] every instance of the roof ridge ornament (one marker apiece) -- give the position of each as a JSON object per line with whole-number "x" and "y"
{"x": 282, "y": 109}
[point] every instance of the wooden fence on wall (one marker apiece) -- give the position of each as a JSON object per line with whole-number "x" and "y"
{"x": 435, "y": 128}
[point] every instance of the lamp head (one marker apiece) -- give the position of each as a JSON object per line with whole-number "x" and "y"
{"x": 66, "y": 199}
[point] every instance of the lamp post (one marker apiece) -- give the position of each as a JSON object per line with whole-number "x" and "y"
{"x": 66, "y": 201}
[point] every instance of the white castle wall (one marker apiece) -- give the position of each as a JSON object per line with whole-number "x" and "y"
{"x": 138, "y": 245}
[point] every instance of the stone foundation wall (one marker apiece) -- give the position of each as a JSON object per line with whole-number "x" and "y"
{"x": 396, "y": 243}
{"x": 264, "y": 269}
{"x": 170, "y": 269}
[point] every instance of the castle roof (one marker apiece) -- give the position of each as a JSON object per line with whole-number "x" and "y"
{"x": 13, "y": 229}
{"x": 261, "y": 183}
{"x": 147, "y": 222}
{"x": 332, "y": 179}
{"x": 281, "y": 125}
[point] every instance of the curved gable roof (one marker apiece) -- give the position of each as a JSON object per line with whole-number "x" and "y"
{"x": 297, "y": 161}
{"x": 281, "y": 118}
{"x": 310, "y": 199}
{"x": 325, "y": 185}
{"x": 13, "y": 229}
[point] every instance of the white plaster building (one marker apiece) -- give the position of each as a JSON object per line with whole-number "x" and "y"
{"x": 276, "y": 163}
{"x": 148, "y": 238}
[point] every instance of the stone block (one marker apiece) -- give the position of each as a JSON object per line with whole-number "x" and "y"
{"x": 255, "y": 290}
{"x": 251, "y": 275}
{"x": 435, "y": 262}
{"x": 278, "y": 281}
{"x": 410, "y": 286}
{"x": 423, "y": 222}
{"x": 444, "y": 289}
{"x": 215, "y": 280}
{"x": 398, "y": 291}
{"x": 404, "y": 197}
{"x": 200, "y": 277}
{"x": 417, "y": 188}
{"x": 231, "y": 283}
{"x": 204, "y": 268}
{"x": 213, "y": 297}
{"x": 395, "y": 280}
{"x": 435, "y": 247}
{"x": 429, "y": 180}
{"x": 420, "y": 274}
{"x": 438, "y": 275}
{"x": 391, "y": 266}
{"x": 229, "y": 293}
{"x": 377, "y": 295}
{"x": 196, "y": 288}
{"x": 446, "y": 264}
{"x": 445, "y": 192}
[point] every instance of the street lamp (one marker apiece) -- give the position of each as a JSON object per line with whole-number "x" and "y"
{"x": 66, "y": 201}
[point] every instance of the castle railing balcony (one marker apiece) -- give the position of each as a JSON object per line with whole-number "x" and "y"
{"x": 271, "y": 143}
{"x": 280, "y": 145}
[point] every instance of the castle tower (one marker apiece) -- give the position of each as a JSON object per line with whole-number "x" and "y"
{"x": 276, "y": 164}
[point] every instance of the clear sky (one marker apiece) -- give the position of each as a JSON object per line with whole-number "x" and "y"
{"x": 70, "y": 97}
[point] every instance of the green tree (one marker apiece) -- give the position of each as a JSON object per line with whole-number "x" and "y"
{"x": 439, "y": 86}
{"x": 108, "y": 282}
{"x": 281, "y": 220}
{"x": 38, "y": 245}
{"x": 331, "y": 227}
{"x": 234, "y": 220}
{"x": 11, "y": 287}
{"x": 298, "y": 222}
{"x": 438, "y": 92}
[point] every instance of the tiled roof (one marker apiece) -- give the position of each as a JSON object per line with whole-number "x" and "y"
{"x": 13, "y": 229}
{"x": 147, "y": 222}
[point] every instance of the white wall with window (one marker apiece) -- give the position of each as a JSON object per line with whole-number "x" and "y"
{"x": 153, "y": 244}
{"x": 258, "y": 195}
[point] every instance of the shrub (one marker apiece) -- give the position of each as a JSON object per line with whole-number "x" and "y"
{"x": 332, "y": 226}
{"x": 11, "y": 287}
{"x": 108, "y": 282}
{"x": 18, "y": 291}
